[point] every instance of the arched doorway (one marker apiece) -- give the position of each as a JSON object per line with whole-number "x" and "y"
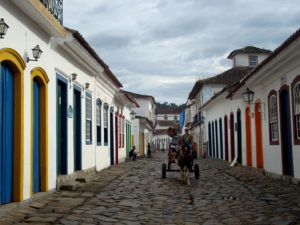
{"x": 285, "y": 128}
{"x": 39, "y": 146}
{"x": 11, "y": 125}
{"x": 248, "y": 136}
{"x": 258, "y": 133}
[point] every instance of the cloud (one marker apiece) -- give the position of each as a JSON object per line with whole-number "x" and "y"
{"x": 160, "y": 47}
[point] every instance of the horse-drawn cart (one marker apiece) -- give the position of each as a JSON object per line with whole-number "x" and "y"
{"x": 172, "y": 157}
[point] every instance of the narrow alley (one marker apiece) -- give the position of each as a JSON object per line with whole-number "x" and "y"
{"x": 134, "y": 193}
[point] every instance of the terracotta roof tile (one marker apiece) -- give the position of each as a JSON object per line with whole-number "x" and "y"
{"x": 84, "y": 43}
{"x": 248, "y": 49}
{"x": 227, "y": 78}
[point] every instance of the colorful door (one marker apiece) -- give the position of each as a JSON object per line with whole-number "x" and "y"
{"x": 77, "y": 129}
{"x": 62, "y": 128}
{"x": 232, "y": 136}
{"x": 111, "y": 121}
{"x": 36, "y": 176}
{"x": 258, "y": 132}
{"x": 7, "y": 133}
{"x": 226, "y": 137}
{"x": 117, "y": 136}
{"x": 217, "y": 140}
{"x": 213, "y": 139}
{"x": 248, "y": 136}
{"x": 239, "y": 136}
{"x": 209, "y": 140}
{"x": 221, "y": 137}
{"x": 286, "y": 137}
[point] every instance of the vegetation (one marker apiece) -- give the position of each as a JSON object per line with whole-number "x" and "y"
{"x": 167, "y": 105}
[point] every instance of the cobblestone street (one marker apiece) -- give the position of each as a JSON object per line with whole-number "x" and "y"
{"x": 134, "y": 193}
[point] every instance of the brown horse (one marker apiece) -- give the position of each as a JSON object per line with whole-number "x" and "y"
{"x": 185, "y": 162}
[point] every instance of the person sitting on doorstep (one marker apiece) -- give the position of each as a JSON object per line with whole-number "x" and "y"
{"x": 132, "y": 154}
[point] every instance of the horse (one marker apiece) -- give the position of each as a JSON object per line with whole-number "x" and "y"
{"x": 185, "y": 163}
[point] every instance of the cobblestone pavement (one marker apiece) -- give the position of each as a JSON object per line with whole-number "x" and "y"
{"x": 134, "y": 193}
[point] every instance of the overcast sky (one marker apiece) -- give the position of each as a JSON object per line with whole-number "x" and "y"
{"x": 161, "y": 47}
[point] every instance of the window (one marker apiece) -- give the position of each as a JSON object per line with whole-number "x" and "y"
{"x": 297, "y": 109}
{"x": 98, "y": 121}
{"x": 175, "y": 118}
{"x": 273, "y": 119}
{"x": 105, "y": 123}
{"x": 252, "y": 60}
{"x": 166, "y": 117}
{"x": 88, "y": 116}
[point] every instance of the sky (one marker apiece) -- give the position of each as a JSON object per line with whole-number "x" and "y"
{"x": 162, "y": 47}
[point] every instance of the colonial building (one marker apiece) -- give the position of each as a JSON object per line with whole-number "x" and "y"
{"x": 62, "y": 111}
{"x": 165, "y": 118}
{"x": 255, "y": 122}
{"x": 143, "y": 121}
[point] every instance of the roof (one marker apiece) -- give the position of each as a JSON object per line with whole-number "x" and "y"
{"x": 160, "y": 131}
{"x": 84, "y": 43}
{"x": 146, "y": 119}
{"x": 168, "y": 111}
{"x": 227, "y": 78}
{"x": 135, "y": 95}
{"x": 167, "y": 123}
{"x": 276, "y": 52}
{"x": 248, "y": 49}
{"x": 130, "y": 98}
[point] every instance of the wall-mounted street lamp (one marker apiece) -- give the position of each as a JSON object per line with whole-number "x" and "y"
{"x": 36, "y": 53}
{"x": 132, "y": 115}
{"x": 111, "y": 109}
{"x": 72, "y": 77}
{"x": 3, "y": 28}
{"x": 86, "y": 85}
{"x": 248, "y": 96}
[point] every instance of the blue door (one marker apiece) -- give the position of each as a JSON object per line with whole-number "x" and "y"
{"x": 286, "y": 137}
{"x": 217, "y": 140}
{"x": 62, "y": 125}
{"x": 111, "y": 117}
{"x": 77, "y": 130}
{"x": 36, "y": 137}
{"x": 7, "y": 133}
{"x": 209, "y": 140}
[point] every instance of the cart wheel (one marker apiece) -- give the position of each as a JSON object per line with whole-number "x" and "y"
{"x": 163, "y": 170}
{"x": 197, "y": 172}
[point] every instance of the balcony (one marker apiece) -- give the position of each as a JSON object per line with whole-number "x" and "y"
{"x": 55, "y": 7}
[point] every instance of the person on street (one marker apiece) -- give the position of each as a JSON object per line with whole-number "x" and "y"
{"x": 173, "y": 145}
{"x": 187, "y": 138}
{"x": 132, "y": 154}
{"x": 149, "y": 150}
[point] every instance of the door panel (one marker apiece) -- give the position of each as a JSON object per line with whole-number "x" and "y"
{"x": 36, "y": 137}
{"x": 7, "y": 134}
{"x": 62, "y": 163}
{"x": 77, "y": 130}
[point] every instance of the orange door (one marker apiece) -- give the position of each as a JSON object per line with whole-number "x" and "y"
{"x": 258, "y": 133}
